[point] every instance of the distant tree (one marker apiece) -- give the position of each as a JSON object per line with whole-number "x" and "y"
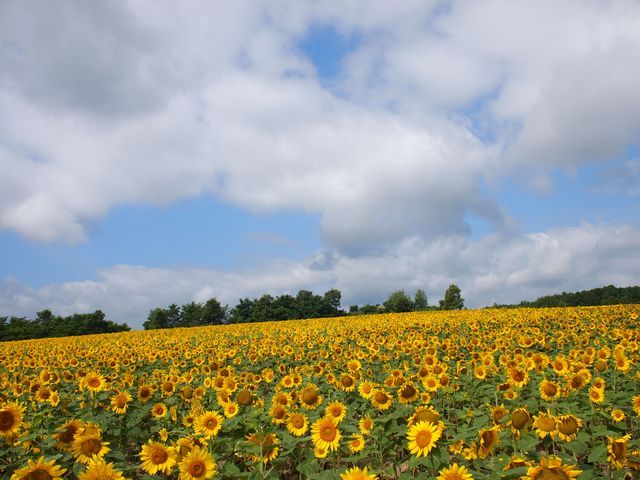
{"x": 157, "y": 318}
{"x": 420, "y": 300}
{"x": 243, "y": 311}
{"x": 452, "y": 299}
{"x": 331, "y": 303}
{"x": 213, "y": 313}
{"x": 398, "y": 301}
{"x": 353, "y": 309}
{"x": 190, "y": 315}
{"x": 368, "y": 309}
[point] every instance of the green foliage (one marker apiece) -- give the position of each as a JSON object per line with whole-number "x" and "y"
{"x": 452, "y": 299}
{"x": 188, "y": 315}
{"x": 420, "y": 301}
{"x": 47, "y": 325}
{"x": 398, "y": 301}
{"x": 608, "y": 295}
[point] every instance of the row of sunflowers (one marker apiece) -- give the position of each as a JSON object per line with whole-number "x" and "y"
{"x": 536, "y": 394}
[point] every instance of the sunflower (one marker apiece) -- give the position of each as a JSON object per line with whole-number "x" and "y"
{"x": 337, "y": 410}
{"x": 157, "y": 457}
{"x": 244, "y": 397}
{"x": 88, "y": 445}
{"x": 422, "y": 438}
{"x": 39, "y": 470}
{"x": 381, "y": 400}
{"x": 498, "y": 413}
{"x": 98, "y": 469}
{"x": 545, "y": 424}
{"x": 278, "y": 413}
{"x": 297, "y": 424}
{"x": 517, "y": 377}
{"x": 347, "y": 383}
{"x": 617, "y": 415}
{"x": 425, "y": 414}
{"x": 365, "y": 425}
{"x": 618, "y": 450}
{"x": 366, "y": 389}
{"x": 94, "y": 382}
{"x": 119, "y": 402}
{"x": 66, "y": 433}
{"x": 145, "y": 392}
{"x": 320, "y": 452}
{"x": 636, "y": 404}
{"x": 596, "y": 395}
{"x": 230, "y": 409}
{"x": 159, "y": 410}
{"x": 356, "y": 443}
{"x": 208, "y": 424}
{"x": 549, "y": 391}
{"x": 309, "y": 397}
{"x": 552, "y": 468}
{"x": 325, "y": 433}
{"x": 489, "y": 438}
{"x": 356, "y": 473}
{"x": 267, "y": 445}
{"x": 517, "y": 462}
{"x": 455, "y": 472}
{"x": 520, "y": 418}
{"x": 10, "y": 419}
{"x": 198, "y": 463}
{"x": 568, "y": 426}
{"x": 408, "y": 393}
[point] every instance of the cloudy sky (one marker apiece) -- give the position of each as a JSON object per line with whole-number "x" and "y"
{"x": 154, "y": 152}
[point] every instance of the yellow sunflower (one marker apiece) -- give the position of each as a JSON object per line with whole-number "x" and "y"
{"x": 297, "y": 424}
{"x": 356, "y": 473}
{"x": 197, "y": 464}
{"x": 366, "y": 389}
{"x": 520, "y": 418}
{"x": 596, "y": 395}
{"x": 618, "y": 450}
{"x": 66, "y": 433}
{"x": 208, "y": 424}
{"x": 94, "y": 382}
{"x": 381, "y": 400}
{"x": 98, "y": 469}
{"x": 517, "y": 377}
{"x": 88, "y": 445}
{"x": 422, "y": 438}
{"x": 636, "y": 404}
{"x": 230, "y": 409}
{"x": 498, "y": 413}
{"x": 41, "y": 469}
{"x": 159, "y": 410}
{"x": 549, "y": 391}
{"x": 11, "y": 419}
{"x": 545, "y": 425}
{"x": 618, "y": 415}
{"x": 337, "y": 410}
{"x": 552, "y": 468}
{"x": 325, "y": 433}
{"x": 489, "y": 438}
{"x": 145, "y": 392}
{"x": 267, "y": 444}
{"x": 157, "y": 457}
{"x": 568, "y": 426}
{"x": 356, "y": 443}
{"x": 365, "y": 425}
{"x": 408, "y": 393}
{"x": 455, "y": 472}
{"x": 309, "y": 397}
{"x": 119, "y": 402}
{"x": 278, "y": 413}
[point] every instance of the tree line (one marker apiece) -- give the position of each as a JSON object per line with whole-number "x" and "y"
{"x": 47, "y": 325}
{"x": 608, "y": 295}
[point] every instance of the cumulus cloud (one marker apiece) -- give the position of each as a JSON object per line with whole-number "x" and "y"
{"x": 497, "y": 268}
{"x": 109, "y": 104}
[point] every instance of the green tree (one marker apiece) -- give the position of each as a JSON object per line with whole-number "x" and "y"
{"x": 452, "y": 299}
{"x": 213, "y": 313}
{"x": 398, "y": 301}
{"x": 420, "y": 301}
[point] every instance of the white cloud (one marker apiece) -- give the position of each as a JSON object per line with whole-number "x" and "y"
{"x": 495, "y": 269}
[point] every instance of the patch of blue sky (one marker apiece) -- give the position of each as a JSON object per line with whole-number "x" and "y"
{"x": 196, "y": 233}
{"x": 326, "y": 47}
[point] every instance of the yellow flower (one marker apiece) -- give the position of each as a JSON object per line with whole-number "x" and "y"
{"x": 636, "y": 404}
{"x": 98, "y": 469}
{"x": 422, "y": 438}
{"x": 325, "y": 433}
{"x": 549, "y": 391}
{"x": 381, "y": 400}
{"x": 94, "y": 382}
{"x": 617, "y": 415}
{"x": 88, "y": 445}
{"x": 356, "y": 443}
{"x": 267, "y": 445}
{"x": 365, "y": 425}
{"x": 230, "y": 409}
{"x": 197, "y": 464}
{"x": 337, "y": 410}
{"x": 157, "y": 457}
{"x": 159, "y": 410}
{"x": 455, "y": 472}
{"x": 208, "y": 424}
{"x": 309, "y": 397}
{"x": 618, "y": 450}
{"x": 119, "y": 402}
{"x": 297, "y": 424}
{"x": 552, "y": 468}
{"x": 356, "y": 473}
{"x": 489, "y": 438}
{"x": 11, "y": 419}
{"x": 545, "y": 424}
{"x": 596, "y": 395}
{"x": 39, "y": 470}
{"x": 568, "y": 426}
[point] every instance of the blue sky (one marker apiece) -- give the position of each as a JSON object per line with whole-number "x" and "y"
{"x": 358, "y": 145}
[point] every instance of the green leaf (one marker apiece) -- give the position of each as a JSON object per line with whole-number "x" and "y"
{"x": 515, "y": 473}
{"x": 598, "y": 454}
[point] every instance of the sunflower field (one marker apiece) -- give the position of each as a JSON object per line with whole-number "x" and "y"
{"x": 538, "y": 394}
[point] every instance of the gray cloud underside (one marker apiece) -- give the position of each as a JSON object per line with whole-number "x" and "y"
{"x": 495, "y": 269}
